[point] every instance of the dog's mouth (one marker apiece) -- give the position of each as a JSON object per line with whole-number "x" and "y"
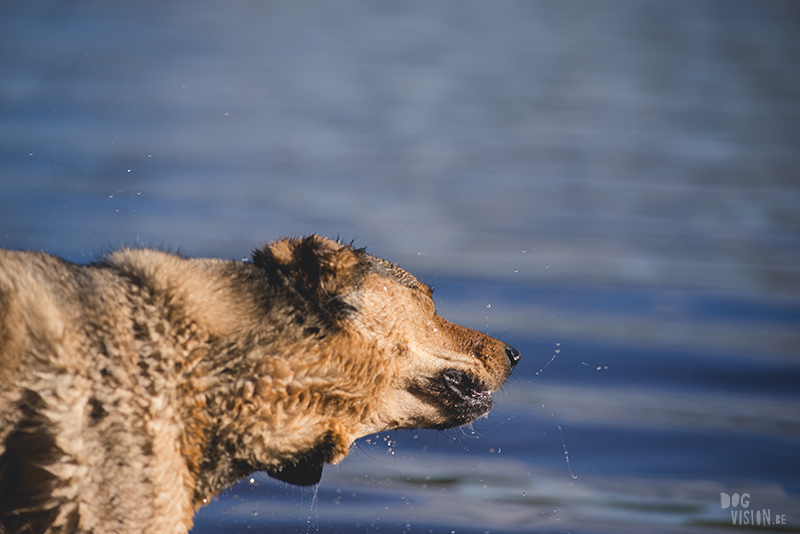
{"x": 465, "y": 398}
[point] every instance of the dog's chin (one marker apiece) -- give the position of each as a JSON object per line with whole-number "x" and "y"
{"x": 464, "y": 399}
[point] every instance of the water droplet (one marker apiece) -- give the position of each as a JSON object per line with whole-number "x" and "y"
{"x": 488, "y": 305}
{"x": 255, "y": 513}
{"x": 31, "y": 154}
{"x": 149, "y": 155}
{"x": 129, "y": 170}
{"x": 516, "y": 270}
{"x": 524, "y": 251}
{"x": 252, "y": 481}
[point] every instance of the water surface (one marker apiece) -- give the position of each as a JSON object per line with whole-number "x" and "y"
{"x": 616, "y": 184}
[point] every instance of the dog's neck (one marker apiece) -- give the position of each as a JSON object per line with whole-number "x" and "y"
{"x": 289, "y": 417}
{"x": 295, "y": 409}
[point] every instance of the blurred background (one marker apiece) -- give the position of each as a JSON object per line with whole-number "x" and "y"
{"x": 611, "y": 186}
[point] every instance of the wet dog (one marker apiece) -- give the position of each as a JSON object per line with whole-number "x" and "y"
{"x": 135, "y": 388}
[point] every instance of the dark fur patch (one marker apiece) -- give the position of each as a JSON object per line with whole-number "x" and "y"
{"x": 97, "y": 413}
{"x": 307, "y": 273}
{"x": 306, "y": 470}
{"x": 26, "y": 504}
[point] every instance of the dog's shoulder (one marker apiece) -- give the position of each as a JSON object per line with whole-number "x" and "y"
{"x": 32, "y": 317}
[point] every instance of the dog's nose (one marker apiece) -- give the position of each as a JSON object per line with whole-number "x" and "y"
{"x": 513, "y": 355}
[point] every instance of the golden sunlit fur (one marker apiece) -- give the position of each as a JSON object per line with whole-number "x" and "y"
{"x": 134, "y": 389}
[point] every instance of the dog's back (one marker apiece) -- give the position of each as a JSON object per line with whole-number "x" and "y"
{"x": 64, "y": 458}
{"x": 33, "y": 339}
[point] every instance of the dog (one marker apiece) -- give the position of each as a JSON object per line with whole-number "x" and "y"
{"x": 135, "y": 388}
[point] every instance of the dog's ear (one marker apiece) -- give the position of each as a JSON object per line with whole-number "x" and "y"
{"x": 314, "y": 265}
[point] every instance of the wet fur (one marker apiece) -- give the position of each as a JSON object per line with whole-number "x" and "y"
{"x": 134, "y": 389}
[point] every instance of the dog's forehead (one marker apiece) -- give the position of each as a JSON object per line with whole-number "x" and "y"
{"x": 390, "y": 270}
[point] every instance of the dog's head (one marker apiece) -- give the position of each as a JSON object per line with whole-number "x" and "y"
{"x": 388, "y": 359}
{"x": 445, "y": 373}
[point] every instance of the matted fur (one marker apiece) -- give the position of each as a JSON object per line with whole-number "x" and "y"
{"x": 134, "y": 389}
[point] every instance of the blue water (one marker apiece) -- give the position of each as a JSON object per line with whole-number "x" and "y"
{"x": 612, "y": 187}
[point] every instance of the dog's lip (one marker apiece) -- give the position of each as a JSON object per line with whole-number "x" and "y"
{"x": 467, "y": 389}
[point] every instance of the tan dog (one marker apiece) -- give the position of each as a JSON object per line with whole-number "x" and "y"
{"x": 134, "y": 389}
